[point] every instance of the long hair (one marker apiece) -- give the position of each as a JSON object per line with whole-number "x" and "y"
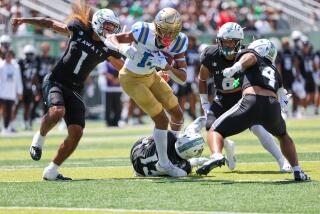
{"x": 82, "y": 12}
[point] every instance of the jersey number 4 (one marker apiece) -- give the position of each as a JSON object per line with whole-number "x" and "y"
{"x": 269, "y": 74}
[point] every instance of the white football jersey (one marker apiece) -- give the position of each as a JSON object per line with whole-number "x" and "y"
{"x": 144, "y": 34}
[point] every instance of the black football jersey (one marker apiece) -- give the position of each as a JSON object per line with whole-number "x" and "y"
{"x": 262, "y": 74}
{"x": 45, "y": 66}
{"x": 81, "y": 57}
{"x": 212, "y": 59}
{"x": 144, "y": 156}
{"x": 28, "y": 69}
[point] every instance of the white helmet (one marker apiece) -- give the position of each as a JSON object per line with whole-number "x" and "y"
{"x": 189, "y": 145}
{"x": 264, "y": 48}
{"x": 29, "y": 49}
{"x": 296, "y": 35}
{"x": 5, "y": 41}
{"x": 102, "y": 16}
{"x": 230, "y": 31}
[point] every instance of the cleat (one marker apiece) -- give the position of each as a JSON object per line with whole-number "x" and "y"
{"x": 301, "y": 176}
{"x": 209, "y": 165}
{"x": 285, "y": 167}
{"x": 171, "y": 170}
{"x": 59, "y": 177}
{"x": 229, "y": 147}
{"x": 35, "y": 153}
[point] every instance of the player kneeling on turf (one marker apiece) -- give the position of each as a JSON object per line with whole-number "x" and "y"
{"x": 183, "y": 152}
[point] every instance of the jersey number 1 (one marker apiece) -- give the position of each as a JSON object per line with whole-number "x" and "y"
{"x": 82, "y": 58}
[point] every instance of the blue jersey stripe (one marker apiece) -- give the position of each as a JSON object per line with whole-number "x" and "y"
{"x": 176, "y": 44}
{"x": 182, "y": 45}
{"x": 141, "y": 32}
{"x": 145, "y": 36}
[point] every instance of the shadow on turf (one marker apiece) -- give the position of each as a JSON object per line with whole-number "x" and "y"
{"x": 191, "y": 179}
{"x": 254, "y": 172}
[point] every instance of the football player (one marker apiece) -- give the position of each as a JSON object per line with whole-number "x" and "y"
{"x": 214, "y": 59}
{"x": 182, "y": 152}
{"x": 140, "y": 80}
{"x": 63, "y": 86}
{"x": 263, "y": 97}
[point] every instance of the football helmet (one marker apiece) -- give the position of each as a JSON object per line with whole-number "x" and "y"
{"x": 230, "y": 31}
{"x": 5, "y": 41}
{"x": 101, "y": 17}
{"x": 189, "y": 145}
{"x": 29, "y": 49}
{"x": 264, "y": 48}
{"x": 168, "y": 25}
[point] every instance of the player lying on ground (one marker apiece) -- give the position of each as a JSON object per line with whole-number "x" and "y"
{"x": 183, "y": 152}
{"x": 261, "y": 89}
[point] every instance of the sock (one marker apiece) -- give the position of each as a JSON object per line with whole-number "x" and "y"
{"x": 53, "y": 166}
{"x": 216, "y": 156}
{"x": 175, "y": 133}
{"x": 160, "y": 138}
{"x": 38, "y": 140}
{"x": 296, "y": 168}
{"x": 268, "y": 143}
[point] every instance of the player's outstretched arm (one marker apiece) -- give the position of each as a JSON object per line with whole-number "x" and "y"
{"x": 203, "y": 76}
{"x": 246, "y": 61}
{"x": 43, "y": 22}
{"x": 178, "y": 71}
{"x": 116, "y": 63}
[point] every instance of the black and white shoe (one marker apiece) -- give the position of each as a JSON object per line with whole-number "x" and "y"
{"x": 209, "y": 165}
{"x": 59, "y": 177}
{"x": 35, "y": 153}
{"x": 301, "y": 176}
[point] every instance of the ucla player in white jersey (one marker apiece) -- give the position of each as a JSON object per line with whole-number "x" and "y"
{"x": 141, "y": 81}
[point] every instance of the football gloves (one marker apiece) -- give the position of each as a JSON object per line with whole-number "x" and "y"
{"x": 229, "y": 72}
{"x": 283, "y": 98}
{"x": 158, "y": 60}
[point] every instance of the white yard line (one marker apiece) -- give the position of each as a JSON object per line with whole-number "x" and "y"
{"x": 113, "y": 210}
{"x": 67, "y": 165}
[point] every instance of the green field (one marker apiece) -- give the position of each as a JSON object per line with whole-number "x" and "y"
{"x": 104, "y": 182}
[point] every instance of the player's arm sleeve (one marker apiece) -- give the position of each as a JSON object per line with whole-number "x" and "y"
{"x": 180, "y": 45}
{"x": 204, "y": 58}
{"x": 140, "y": 31}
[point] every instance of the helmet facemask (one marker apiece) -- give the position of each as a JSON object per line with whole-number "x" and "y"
{"x": 168, "y": 25}
{"x": 105, "y": 22}
{"x": 228, "y": 51}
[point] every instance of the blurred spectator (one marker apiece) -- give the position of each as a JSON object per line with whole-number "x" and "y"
{"x": 5, "y": 44}
{"x": 29, "y": 66}
{"x": 11, "y": 89}
{"x": 110, "y": 86}
{"x": 46, "y": 62}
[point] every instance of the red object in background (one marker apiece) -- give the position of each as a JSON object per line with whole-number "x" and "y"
{"x": 224, "y": 17}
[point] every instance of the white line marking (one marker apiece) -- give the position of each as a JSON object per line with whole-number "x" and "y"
{"x": 113, "y": 210}
{"x": 69, "y": 165}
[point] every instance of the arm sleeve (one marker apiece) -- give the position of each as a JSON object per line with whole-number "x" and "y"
{"x": 140, "y": 31}
{"x": 180, "y": 45}
{"x": 204, "y": 58}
